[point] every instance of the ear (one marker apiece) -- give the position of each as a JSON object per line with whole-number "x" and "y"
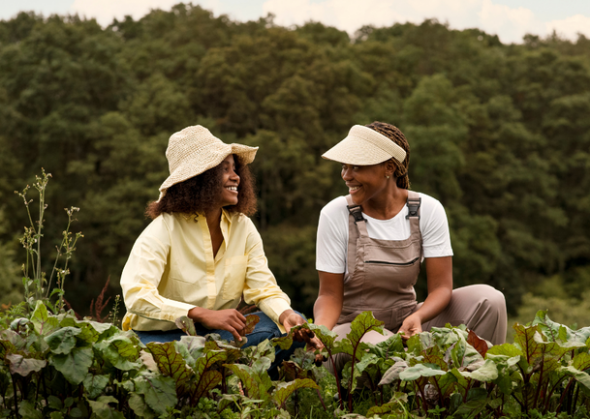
{"x": 390, "y": 168}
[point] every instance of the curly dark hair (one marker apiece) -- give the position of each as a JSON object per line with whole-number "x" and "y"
{"x": 394, "y": 134}
{"x": 200, "y": 194}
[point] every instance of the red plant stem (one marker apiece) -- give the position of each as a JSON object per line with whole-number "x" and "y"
{"x": 440, "y": 397}
{"x": 563, "y": 395}
{"x": 552, "y": 391}
{"x": 467, "y": 390}
{"x": 338, "y": 385}
{"x": 321, "y": 399}
{"x": 576, "y": 393}
{"x": 15, "y": 398}
{"x": 540, "y": 383}
{"x": 424, "y": 405}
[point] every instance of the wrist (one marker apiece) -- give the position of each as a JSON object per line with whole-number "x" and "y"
{"x": 284, "y": 315}
{"x": 197, "y": 314}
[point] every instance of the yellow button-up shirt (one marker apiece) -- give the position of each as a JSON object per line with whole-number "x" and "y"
{"x": 171, "y": 269}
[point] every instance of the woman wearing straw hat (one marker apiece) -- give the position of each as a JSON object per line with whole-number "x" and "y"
{"x": 201, "y": 252}
{"x": 371, "y": 245}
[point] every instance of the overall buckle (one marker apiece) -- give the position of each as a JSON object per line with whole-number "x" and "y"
{"x": 356, "y": 212}
{"x": 413, "y": 208}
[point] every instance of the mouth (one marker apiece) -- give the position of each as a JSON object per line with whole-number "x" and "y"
{"x": 353, "y": 189}
{"x": 232, "y": 188}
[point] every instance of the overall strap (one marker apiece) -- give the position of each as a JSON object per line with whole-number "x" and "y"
{"x": 355, "y": 211}
{"x": 413, "y": 216}
{"x": 413, "y": 204}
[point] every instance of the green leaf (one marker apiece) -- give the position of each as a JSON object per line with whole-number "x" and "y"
{"x": 171, "y": 363}
{"x": 363, "y": 323}
{"x": 581, "y": 361}
{"x": 421, "y": 370}
{"x": 248, "y": 381}
{"x": 24, "y": 366}
{"x": 120, "y": 351}
{"x": 159, "y": 391}
{"x": 139, "y": 406}
{"x": 507, "y": 349}
{"x": 420, "y": 342}
{"x": 27, "y": 410}
{"x": 580, "y": 376}
{"x": 102, "y": 410}
{"x": 207, "y": 382}
{"x": 284, "y": 390}
{"x": 95, "y": 384}
{"x": 74, "y": 366}
{"x": 397, "y": 403}
{"x": 54, "y": 402}
{"x": 393, "y": 345}
{"x": 486, "y": 373}
{"x": 392, "y": 374}
{"x": 62, "y": 341}
{"x": 44, "y": 323}
{"x": 186, "y": 325}
{"x": 561, "y": 334}
{"x": 283, "y": 342}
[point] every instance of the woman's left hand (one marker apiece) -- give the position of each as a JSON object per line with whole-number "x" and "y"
{"x": 411, "y": 326}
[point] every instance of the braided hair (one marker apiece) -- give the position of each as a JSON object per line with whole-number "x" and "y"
{"x": 394, "y": 134}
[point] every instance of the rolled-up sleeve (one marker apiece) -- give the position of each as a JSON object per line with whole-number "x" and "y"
{"x": 261, "y": 287}
{"x": 142, "y": 275}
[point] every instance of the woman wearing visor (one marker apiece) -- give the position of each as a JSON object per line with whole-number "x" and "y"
{"x": 372, "y": 243}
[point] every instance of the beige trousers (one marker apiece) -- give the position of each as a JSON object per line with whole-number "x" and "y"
{"x": 481, "y": 308}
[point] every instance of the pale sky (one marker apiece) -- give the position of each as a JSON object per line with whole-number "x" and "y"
{"x": 509, "y": 19}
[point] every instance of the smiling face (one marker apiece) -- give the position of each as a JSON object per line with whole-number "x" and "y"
{"x": 230, "y": 182}
{"x": 366, "y": 183}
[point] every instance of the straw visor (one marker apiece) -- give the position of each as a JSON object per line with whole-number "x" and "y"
{"x": 195, "y": 150}
{"x": 365, "y": 147}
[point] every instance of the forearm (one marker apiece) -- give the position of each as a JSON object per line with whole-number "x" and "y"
{"x": 327, "y": 310}
{"x": 434, "y": 304}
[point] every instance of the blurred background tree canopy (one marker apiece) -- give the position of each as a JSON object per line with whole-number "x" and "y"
{"x": 500, "y": 134}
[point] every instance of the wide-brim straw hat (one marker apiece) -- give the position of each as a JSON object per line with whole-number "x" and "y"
{"x": 365, "y": 147}
{"x": 195, "y": 150}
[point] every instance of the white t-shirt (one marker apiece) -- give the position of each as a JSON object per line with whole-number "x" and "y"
{"x": 332, "y": 240}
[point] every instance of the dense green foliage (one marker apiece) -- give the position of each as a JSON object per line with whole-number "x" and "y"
{"x": 499, "y": 134}
{"x": 59, "y": 367}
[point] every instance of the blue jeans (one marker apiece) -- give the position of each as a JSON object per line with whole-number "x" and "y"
{"x": 265, "y": 329}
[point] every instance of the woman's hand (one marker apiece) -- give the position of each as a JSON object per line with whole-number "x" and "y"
{"x": 411, "y": 326}
{"x": 291, "y": 319}
{"x": 231, "y": 320}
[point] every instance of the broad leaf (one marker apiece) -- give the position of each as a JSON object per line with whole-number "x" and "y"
{"x": 486, "y": 373}
{"x": 249, "y": 383}
{"x": 140, "y": 407}
{"x": 171, "y": 363}
{"x": 27, "y": 410}
{"x": 74, "y": 366}
{"x": 363, "y": 323}
{"x": 44, "y": 323}
{"x": 421, "y": 370}
{"x": 561, "y": 334}
{"x": 102, "y": 410}
{"x": 24, "y": 366}
{"x": 478, "y": 343}
{"x": 284, "y": 390}
{"x": 120, "y": 351}
{"x": 159, "y": 392}
{"x": 393, "y": 373}
{"x": 207, "y": 382}
{"x": 63, "y": 340}
{"x": 95, "y": 384}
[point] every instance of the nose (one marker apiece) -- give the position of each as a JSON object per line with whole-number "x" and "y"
{"x": 234, "y": 176}
{"x": 346, "y": 174}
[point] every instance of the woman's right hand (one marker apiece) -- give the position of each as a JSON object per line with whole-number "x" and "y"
{"x": 231, "y": 320}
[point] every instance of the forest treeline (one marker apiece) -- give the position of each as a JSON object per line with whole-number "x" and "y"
{"x": 500, "y": 134}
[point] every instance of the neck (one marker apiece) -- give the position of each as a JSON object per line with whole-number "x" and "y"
{"x": 213, "y": 217}
{"x": 387, "y": 204}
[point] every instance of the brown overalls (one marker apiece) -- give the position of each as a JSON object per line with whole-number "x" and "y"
{"x": 381, "y": 278}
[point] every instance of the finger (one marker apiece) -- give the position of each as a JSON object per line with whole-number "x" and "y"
{"x": 236, "y": 335}
{"x": 240, "y": 316}
{"x": 236, "y": 325}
